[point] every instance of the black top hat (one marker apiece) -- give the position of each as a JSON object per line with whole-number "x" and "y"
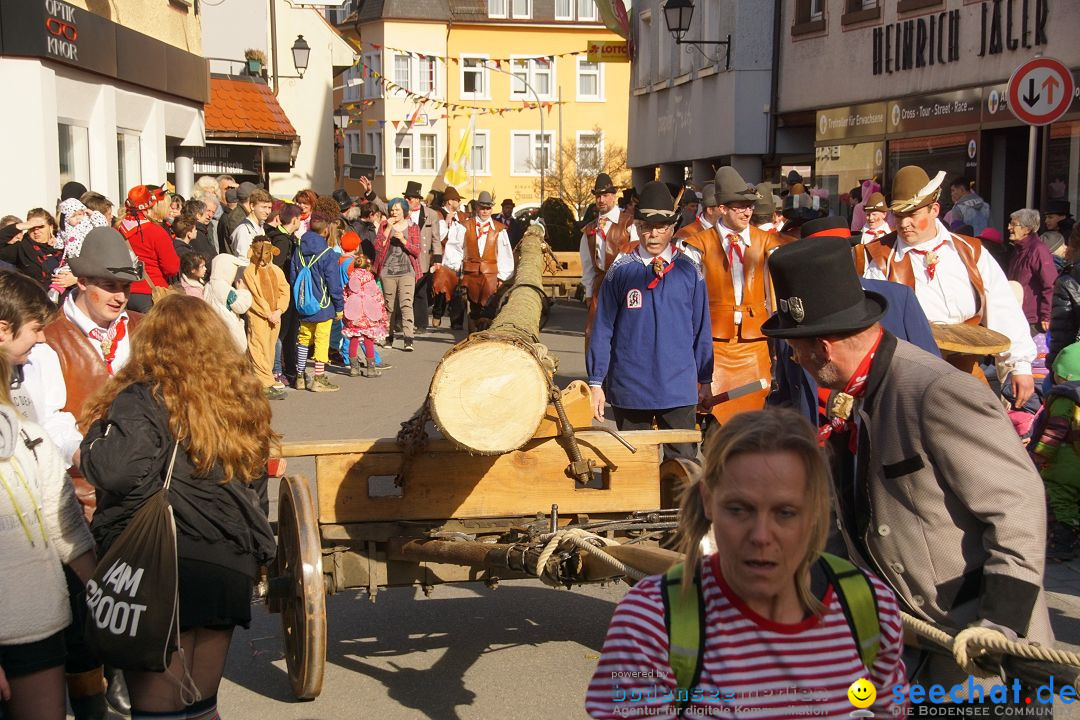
{"x": 603, "y": 184}
{"x": 413, "y": 189}
{"x": 105, "y": 255}
{"x": 343, "y": 199}
{"x": 656, "y": 204}
{"x": 818, "y": 291}
{"x": 1058, "y": 207}
{"x": 833, "y": 226}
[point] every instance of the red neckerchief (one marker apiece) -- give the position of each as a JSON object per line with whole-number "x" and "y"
{"x": 600, "y": 228}
{"x": 110, "y": 340}
{"x": 874, "y": 234}
{"x": 930, "y": 258}
{"x": 856, "y": 386}
{"x": 734, "y": 248}
{"x": 661, "y": 269}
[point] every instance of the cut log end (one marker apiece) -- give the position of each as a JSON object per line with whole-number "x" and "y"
{"x": 489, "y": 397}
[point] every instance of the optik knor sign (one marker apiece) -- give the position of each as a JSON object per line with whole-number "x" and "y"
{"x": 1040, "y": 91}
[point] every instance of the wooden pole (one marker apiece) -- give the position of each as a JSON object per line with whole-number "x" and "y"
{"x": 491, "y": 391}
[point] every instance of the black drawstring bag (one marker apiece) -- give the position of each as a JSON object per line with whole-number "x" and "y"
{"x": 133, "y": 620}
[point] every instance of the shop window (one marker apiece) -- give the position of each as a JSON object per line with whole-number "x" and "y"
{"x": 128, "y": 160}
{"x": 858, "y": 11}
{"x": 839, "y": 168}
{"x": 809, "y": 17}
{"x": 949, "y": 152}
{"x": 74, "y": 142}
{"x": 1063, "y": 164}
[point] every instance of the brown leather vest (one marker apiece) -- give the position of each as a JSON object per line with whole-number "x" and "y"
{"x": 721, "y": 288}
{"x": 691, "y": 229}
{"x": 880, "y": 252}
{"x": 480, "y": 272}
{"x": 84, "y": 370}
{"x": 615, "y": 240}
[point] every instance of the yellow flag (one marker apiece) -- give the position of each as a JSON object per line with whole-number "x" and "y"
{"x": 458, "y": 167}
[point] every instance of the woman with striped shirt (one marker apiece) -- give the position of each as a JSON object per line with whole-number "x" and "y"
{"x": 776, "y": 641}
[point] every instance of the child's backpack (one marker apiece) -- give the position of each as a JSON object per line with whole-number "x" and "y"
{"x": 306, "y": 297}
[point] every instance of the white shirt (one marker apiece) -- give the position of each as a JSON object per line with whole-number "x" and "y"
{"x": 705, "y": 224}
{"x": 882, "y": 230}
{"x": 445, "y": 225}
{"x": 643, "y": 255}
{"x": 591, "y": 265}
{"x": 736, "y": 264}
{"x": 242, "y": 236}
{"x": 949, "y": 297}
{"x": 454, "y": 250}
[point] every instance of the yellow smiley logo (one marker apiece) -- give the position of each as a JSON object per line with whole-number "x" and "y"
{"x": 862, "y": 694}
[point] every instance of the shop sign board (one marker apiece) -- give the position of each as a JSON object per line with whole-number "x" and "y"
{"x": 608, "y": 51}
{"x": 852, "y": 121}
{"x": 930, "y": 112}
{"x": 1040, "y": 91}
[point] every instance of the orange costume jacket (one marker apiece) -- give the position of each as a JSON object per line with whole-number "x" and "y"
{"x": 480, "y": 272}
{"x": 740, "y": 353}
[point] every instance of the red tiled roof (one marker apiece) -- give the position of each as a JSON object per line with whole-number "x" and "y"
{"x": 245, "y": 109}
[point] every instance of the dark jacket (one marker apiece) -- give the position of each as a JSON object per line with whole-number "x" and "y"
{"x": 229, "y": 222}
{"x": 1065, "y": 313}
{"x": 367, "y": 231}
{"x": 285, "y": 243}
{"x": 38, "y": 262}
{"x": 324, "y": 272}
{"x": 125, "y": 457}
{"x": 202, "y": 245}
{"x": 1033, "y": 267}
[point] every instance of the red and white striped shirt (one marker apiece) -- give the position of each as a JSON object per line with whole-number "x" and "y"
{"x": 753, "y": 668}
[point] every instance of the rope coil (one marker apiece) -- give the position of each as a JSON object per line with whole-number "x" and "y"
{"x": 568, "y": 538}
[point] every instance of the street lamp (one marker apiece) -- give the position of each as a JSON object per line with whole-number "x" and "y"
{"x": 301, "y": 51}
{"x": 677, "y": 16}
{"x": 341, "y": 118}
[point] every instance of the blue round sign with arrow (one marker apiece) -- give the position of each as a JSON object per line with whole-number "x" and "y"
{"x": 1040, "y": 91}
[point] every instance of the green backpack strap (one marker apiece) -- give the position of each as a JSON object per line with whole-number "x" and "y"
{"x": 859, "y": 603}
{"x": 684, "y": 616}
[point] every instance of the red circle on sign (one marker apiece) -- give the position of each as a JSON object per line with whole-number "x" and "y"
{"x": 1021, "y": 85}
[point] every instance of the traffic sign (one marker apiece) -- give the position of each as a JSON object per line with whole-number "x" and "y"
{"x": 1040, "y": 91}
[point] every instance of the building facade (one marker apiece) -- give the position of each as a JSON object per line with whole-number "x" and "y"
{"x": 110, "y": 97}
{"x": 513, "y": 72}
{"x": 886, "y": 83}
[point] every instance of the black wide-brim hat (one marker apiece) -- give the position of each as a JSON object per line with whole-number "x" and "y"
{"x": 603, "y": 184}
{"x": 818, "y": 291}
{"x": 656, "y": 204}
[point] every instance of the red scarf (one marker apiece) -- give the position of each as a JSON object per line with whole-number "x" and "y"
{"x": 110, "y": 340}
{"x": 661, "y": 269}
{"x": 856, "y": 386}
{"x": 930, "y": 258}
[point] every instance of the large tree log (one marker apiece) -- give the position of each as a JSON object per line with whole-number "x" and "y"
{"x": 490, "y": 392}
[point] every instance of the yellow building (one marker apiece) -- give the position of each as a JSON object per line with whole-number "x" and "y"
{"x": 484, "y": 61}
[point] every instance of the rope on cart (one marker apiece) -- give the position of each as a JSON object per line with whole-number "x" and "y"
{"x": 567, "y": 538}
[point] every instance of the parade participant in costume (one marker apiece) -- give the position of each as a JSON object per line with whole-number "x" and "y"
{"x": 443, "y": 281}
{"x": 902, "y": 418}
{"x": 904, "y": 318}
{"x": 601, "y": 242}
{"x": 706, "y": 218}
{"x": 650, "y": 354}
{"x": 877, "y": 212}
{"x": 773, "y": 617}
{"x": 145, "y": 209}
{"x": 765, "y": 210}
{"x": 479, "y": 249}
{"x": 955, "y": 281}
{"x": 427, "y": 220}
{"x": 269, "y": 300}
{"x": 732, "y": 256}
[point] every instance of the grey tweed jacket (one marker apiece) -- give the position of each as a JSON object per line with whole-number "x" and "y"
{"x": 948, "y": 508}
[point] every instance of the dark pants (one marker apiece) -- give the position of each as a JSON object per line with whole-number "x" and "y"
{"x": 679, "y": 418}
{"x": 290, "y": 332}
{"x": 421, "y": 303}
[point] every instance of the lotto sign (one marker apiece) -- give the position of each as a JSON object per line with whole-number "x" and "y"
{"x": 608, "y": 51}
{"x": 1040, "y": 91}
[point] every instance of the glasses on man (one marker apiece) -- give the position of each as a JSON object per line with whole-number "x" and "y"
{"x": 648, "y": 228}
{"x": 740, "y": 206}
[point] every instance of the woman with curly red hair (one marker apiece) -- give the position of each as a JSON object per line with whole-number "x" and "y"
{"x": 160, "y": 398}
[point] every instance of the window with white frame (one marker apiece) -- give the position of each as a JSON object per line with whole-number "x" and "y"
{"x": 75, "y": 154}
{"x": 478, "y": 155}
{"x": 590, "y": 80}
{"x": 586, "y": 10}
{"x": 402, "y": 71}
{"x": 428, "y": 156}
{"x": 474, "y": 77}
{"x": 537, "y": 72}
{"x": 521, "y": 8}
{"x": 403, "y": 152}
{"x": 372, "y": 84}
{"x": 497, "y": 8}
{"x": 817, "y": 11}
{"x": 529, "y": 151}
{"x": 373, "y": 144}
{"x": 590, "y": 151}
{"x": 425, "y": 78}
{"x": 564, "y": 9}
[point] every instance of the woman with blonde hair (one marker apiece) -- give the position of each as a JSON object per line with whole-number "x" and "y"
{"x": 187, "y": 384}
{"x": 771, "y": 618}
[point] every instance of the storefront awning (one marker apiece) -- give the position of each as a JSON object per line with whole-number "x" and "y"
{"x": 244, "y": 108}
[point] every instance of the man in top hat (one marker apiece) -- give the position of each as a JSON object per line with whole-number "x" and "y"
{"x": 904, "y": 318}
{"x": 732, "y": 256}
{"x": 651, "y": 353}
{"x": 514, "y": 227}
{"x": 955, "y": 281}
{"x": 933, "y": 490}
{"x": 601, "y": 242}
{"x": 479, "y": 248}
{"x": 430, "y": 251}
{"x": 706, "y": 218}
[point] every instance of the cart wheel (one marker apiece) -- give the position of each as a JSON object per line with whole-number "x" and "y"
{"x": 676, "y": 475}
{"x": 303, "y": 602}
